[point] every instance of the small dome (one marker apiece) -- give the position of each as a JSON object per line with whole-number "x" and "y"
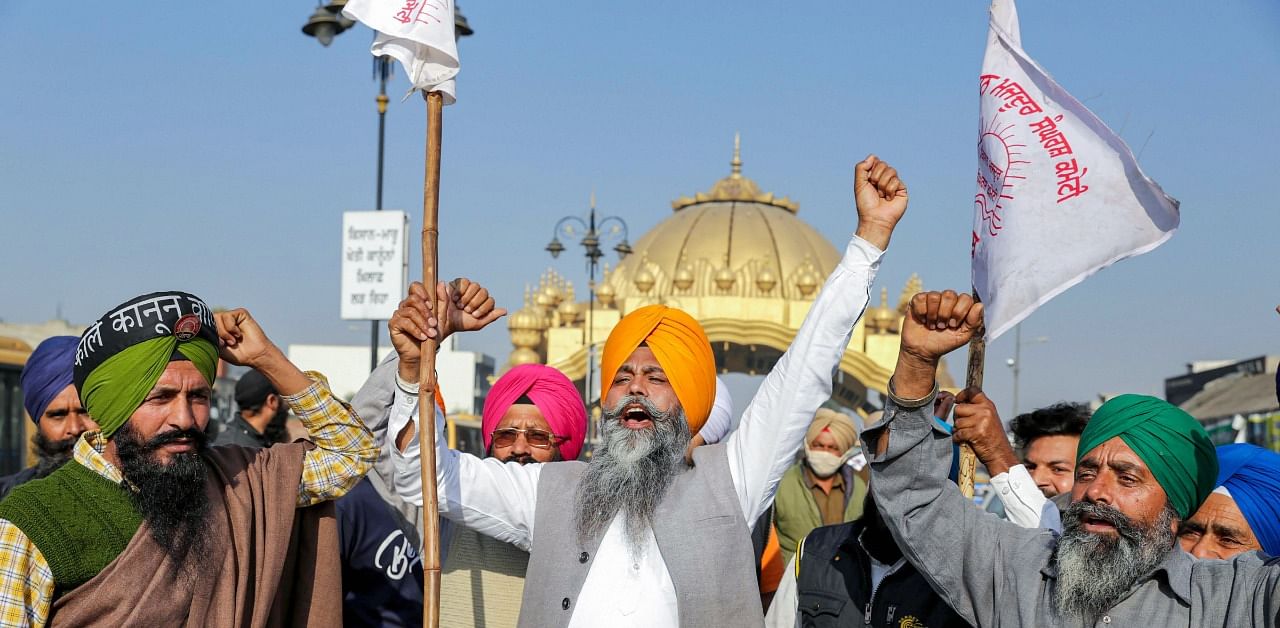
{"x": 725, "y": 279}
{"x": 605, "y": 294}
{"x": 683, "y": 279}
{"x": 644, "y": 280}
{"x": 569, "y": 312}
{"x": 766, "y": 280}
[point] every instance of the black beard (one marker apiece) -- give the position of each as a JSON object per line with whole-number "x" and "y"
{"x": 1096, "y": 572}
{"x": 277, "y": 430}
{"x": 51, "y": 454}
{"x": 170, "y": 496}
{"x": 630, "y": 471}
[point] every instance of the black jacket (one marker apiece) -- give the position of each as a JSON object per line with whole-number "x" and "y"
{"x": 833, "y": 587}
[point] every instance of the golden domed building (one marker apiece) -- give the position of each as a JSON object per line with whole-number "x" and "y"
{"x": 739, "y": 260}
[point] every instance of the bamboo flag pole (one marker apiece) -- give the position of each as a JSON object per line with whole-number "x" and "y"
{"x": 973, "y": 379}
{"x": 427, "y": 374}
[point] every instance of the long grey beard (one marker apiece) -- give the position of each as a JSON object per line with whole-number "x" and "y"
{"x": 1096, "y": 572}
{"x": 630, "y": 472}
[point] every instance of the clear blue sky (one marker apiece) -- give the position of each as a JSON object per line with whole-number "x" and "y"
{"x": 213, "y": 148}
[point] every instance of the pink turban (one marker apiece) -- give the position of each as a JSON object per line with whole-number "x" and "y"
{"x": 551, "y": 392}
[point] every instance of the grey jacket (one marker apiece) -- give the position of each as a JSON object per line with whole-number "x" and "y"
{"x": 699, "y": 528}
{"x": 994, "y": 573}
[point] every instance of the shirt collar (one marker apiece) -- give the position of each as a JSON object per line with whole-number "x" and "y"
{"x": 1176, "y": 569}
{"x": 811, "y": 480}
{"x": 88, "y": 452}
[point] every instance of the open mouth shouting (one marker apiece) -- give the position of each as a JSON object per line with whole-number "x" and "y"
{"x": 636, "y": 417}
{"x": 1097, "y": 525}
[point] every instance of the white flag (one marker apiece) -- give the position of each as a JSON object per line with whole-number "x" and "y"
{"x": 1059, "y": 197}
{"x": 417, "y": 33}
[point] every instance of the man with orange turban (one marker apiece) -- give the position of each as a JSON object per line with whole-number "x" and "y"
{"x": 639, "y": 536}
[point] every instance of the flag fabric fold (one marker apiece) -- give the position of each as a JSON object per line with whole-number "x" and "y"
{"x": 1059, "y": 195}
{"x": 417, "y": 33}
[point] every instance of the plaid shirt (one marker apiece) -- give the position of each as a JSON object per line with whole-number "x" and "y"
{"x": 344, "y": 451}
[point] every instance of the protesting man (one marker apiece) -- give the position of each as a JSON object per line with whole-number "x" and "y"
{"x": 1243, "y": 513}
{"x": 1141, "y": 466}
{"x": 148, "y": 526}
{"x": 639, "y": 537}
{"x": 533, "y": 413}
{"x": 52, "y": 403}
{"x": 820, "y": 490}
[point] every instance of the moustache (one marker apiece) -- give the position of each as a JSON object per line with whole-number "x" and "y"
{"x": 197, "y": 438}
{"x": 655, "y": 414}
{"x": 1081, "y": 510}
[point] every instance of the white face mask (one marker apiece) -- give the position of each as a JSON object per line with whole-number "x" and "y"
{"x": 824, "y": 463}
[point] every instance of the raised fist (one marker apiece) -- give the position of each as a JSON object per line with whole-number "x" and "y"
{"x": 938, "y": 323}
{"x": 882, "y": 200}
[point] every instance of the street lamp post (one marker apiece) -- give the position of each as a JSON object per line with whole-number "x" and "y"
{"x": 1015, "y": 363}
{"x": 328, "y": 22}
{"x": 594, "y": 231}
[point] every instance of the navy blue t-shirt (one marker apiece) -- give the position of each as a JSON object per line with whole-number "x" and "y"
{"x": 381, "y": 567}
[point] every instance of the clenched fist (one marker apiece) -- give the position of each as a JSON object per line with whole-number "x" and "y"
{"x": 882, "y": 200}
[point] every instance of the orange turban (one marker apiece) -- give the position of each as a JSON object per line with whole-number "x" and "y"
{"x": 682, "y": 349}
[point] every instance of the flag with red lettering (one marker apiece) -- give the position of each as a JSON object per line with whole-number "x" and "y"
{"x": 417, "y": 33}
{"x": 1059, "y": 196}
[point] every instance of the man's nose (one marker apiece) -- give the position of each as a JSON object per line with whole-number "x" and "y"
{"x": 521, "y": 445}
{"x": 1204, "y": 548}
{"x": 75, "y": 425}
{"x": 1099, "y": 492}
{"x": 182, "y": 417}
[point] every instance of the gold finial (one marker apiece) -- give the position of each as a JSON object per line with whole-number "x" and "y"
{"x": 736, "y": 164}
{"x": 736, "y": 187}
{"x": 884, "y": 296}
{"x": 593, "y": 198}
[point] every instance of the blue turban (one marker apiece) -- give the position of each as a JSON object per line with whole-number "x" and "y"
{"x": 48, "y": 371}
{"x": 1252, "y": 475}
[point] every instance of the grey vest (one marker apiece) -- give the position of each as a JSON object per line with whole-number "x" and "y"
{"x": 700, "y": 531}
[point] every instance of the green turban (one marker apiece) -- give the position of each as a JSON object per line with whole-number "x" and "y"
{"x": 1171, "y": 443}
{"x": 122, "y": 355}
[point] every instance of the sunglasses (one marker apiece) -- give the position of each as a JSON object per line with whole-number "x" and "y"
{"x": 541, "y": 439}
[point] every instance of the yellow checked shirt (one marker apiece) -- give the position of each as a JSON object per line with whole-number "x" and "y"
{"x": 344, "y": 451}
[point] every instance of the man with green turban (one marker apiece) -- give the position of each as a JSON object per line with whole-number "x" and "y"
{"x": 150, "y": 526}
{"x": 1142, "y": 466}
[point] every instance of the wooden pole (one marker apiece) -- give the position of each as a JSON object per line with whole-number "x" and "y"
{"x": 427, "y": 375}
{"x": 973, "y": 379}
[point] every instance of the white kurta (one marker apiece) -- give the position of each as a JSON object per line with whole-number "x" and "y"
{"x": 499, "y": 499}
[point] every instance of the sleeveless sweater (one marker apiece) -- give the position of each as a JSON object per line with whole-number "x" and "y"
{"x": 79, "y": 520}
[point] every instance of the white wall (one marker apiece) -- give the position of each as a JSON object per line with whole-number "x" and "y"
{"x": 347, "y": 367}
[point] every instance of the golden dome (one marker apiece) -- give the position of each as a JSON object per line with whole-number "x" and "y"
{"x": 714, "y": 240}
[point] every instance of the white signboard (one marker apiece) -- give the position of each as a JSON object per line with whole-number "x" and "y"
{"x": 375, "y": 263}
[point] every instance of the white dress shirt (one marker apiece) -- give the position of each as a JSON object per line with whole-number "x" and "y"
{"x": 622, "y": 590}
{"x": 1024, "y": 504}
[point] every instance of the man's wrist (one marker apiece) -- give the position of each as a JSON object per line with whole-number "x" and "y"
{"x": 1000, "y": 464}
{"x": 875, "y": 233}
{"x": 913, "y": 378}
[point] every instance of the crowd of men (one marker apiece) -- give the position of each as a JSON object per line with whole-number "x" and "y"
{"x": 683, "y": 515}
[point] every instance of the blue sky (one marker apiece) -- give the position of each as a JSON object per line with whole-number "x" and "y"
{"x": 206, "y": 148}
